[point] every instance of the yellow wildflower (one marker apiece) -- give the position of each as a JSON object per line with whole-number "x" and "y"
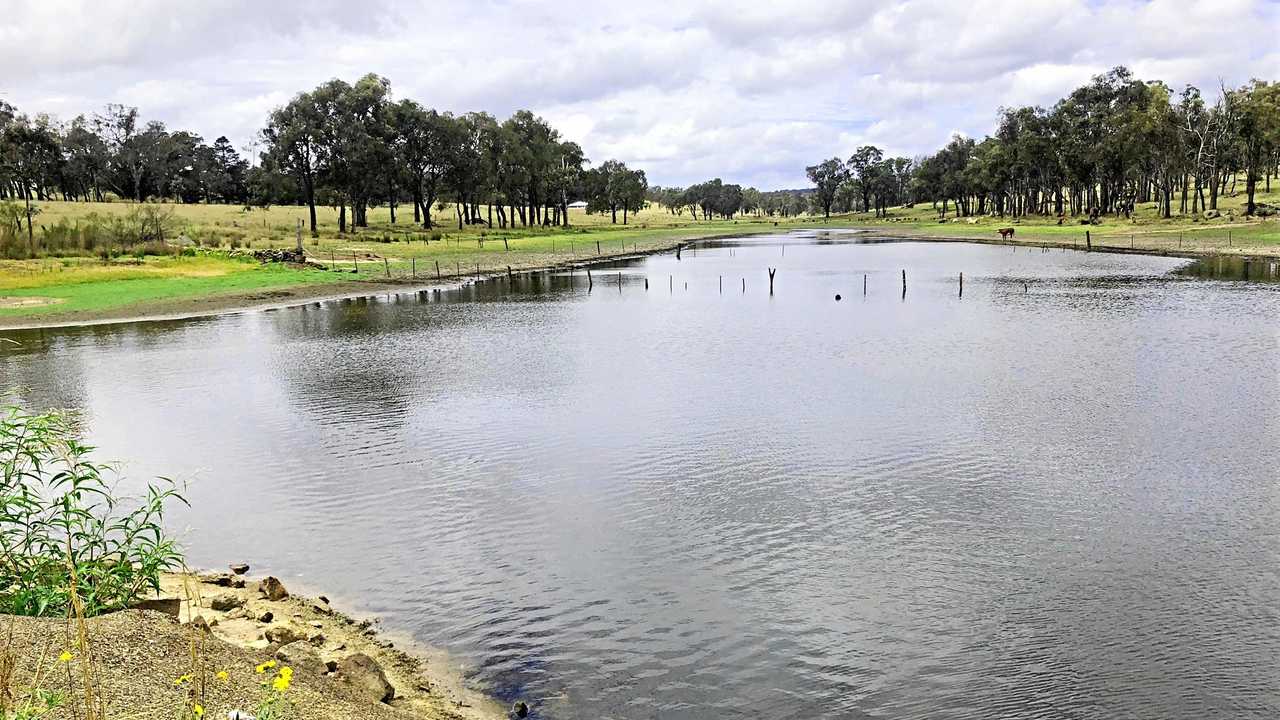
{"x": 282, "y": 679}
{"x": 65, "y": 657}
{"x": 265, "y": 666}
{"x": 181, "y": 679}
{"x": 222, "y": 675}
{"x": 197, "y": 710}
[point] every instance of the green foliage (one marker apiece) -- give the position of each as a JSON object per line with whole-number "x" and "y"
{"x": 64, "y": 531}
{"x": 37, "y": 704}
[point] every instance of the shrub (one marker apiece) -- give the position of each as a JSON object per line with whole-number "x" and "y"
{"x": 64, "y": 533}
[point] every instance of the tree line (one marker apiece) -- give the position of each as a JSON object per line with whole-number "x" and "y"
{"x": 1107, "y": 146}
{"x": 346, "y": 145}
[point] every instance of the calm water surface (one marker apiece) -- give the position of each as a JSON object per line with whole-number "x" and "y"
{"x": 1056, "y": 500}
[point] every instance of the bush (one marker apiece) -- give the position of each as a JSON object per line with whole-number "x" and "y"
{"x": 64, "y": 534}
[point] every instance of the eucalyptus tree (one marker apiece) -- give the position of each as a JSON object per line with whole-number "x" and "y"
{"x": 295, "y": 144}
{"x": 827, "y": 176}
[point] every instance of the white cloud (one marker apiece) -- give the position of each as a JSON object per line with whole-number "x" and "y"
{"x": 748, "y": 91}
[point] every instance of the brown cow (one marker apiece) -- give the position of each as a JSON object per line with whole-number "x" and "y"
{"x": 1005, "y": 233}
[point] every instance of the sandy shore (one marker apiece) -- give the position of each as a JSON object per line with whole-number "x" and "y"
{"x": 217, "y": 629}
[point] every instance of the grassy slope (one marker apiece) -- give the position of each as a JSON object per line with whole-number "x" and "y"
{"x": 88, "y": 288}
{"x": 1231, "y": 233}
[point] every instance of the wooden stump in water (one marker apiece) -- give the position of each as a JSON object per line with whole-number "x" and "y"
{"x": 772, "y": 272}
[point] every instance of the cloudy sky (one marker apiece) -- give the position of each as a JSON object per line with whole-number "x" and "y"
{"x": 748, "y": 90}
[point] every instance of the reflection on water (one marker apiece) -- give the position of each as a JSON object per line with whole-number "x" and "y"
{"x": 1234, "y": 267}
{"x": 1053, "y": 497}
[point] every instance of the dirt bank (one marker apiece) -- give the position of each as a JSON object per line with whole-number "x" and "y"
{"x": 140, "y": 655}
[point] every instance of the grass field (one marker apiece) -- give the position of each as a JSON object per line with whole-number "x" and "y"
{"x": 74, "y": 289}
{"x": 1146, "y": 230}
{"x": 70, "y": 289}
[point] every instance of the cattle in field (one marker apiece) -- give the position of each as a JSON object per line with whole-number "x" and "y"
{"x": 1005, "y": 233}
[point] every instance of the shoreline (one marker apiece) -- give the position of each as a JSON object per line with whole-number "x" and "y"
{"x": 303, "y": 629}
{"x": 218, "y": 641}
{"x": 296, "y": 296}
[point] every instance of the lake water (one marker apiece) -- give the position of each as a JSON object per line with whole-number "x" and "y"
{"x": 1057, "y": 496}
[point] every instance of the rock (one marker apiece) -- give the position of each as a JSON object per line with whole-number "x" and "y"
{"x": 240, "y": 568}
{"x": 331, "y": 665}
{"x": 272, "y": 588}
{"x": 168, "y": 606}
{"x": 322, "y": 607}
{"x": 1211, "y": 214}
{"x": 284, "y": 634}
{"x": 237, "y": 582}
{"x": 219, "y": 579}
{"x": 365, "y": 676}
{"x": 316, "y": 624}
{"x": 519, "y": 710}
{"x": 301, "y": 655}
{"x": 226, "y": 602}
{"x": 265, "y": 616}
{"x": 316, "y": 638}
{"x": 324, "y": 599}
{"x": 238, "y": 613}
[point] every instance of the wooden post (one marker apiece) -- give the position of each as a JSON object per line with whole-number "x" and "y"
{"x": 510, "y": 278}
{"x": 505, "y": 246}
{"x": 904, "y": 283}
{"x": 646, "y": 283}
{"x": 619, "y": 282}
{"x": 1025, "y": 289}
{"x": 961, "y": 284}
{"x": 721, "y": 284}
{"x": 590, "y": 282}
{"x": 333, "y": 261}
{"x": 772, "y": 271}
{"x": 1088, "y": 242}
{"x": 744, "y": 285}
{"x": 437, "y": 269}
{"x": 299, "y": 234}
{"x": 677, "y": 253}
{"x": 477, "y": 272}
{"x": 864, "y": 285}
{"x": 387, "y": 266}
{"x": 671, "y": 284}
{"x": 355, "y": 267}
{"x": 413, "y": 267}
{"x": 1228, "y": 238}
{"x": 597, "y": 247}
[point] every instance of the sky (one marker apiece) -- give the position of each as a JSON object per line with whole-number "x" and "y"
{"x": 747, "y": 91}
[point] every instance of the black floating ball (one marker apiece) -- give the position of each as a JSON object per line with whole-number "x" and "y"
{"x": 837, "y": 297}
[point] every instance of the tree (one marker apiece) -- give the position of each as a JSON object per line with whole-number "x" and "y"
{"x": 827, "y": 176}
{"x": 295, "y": 145}
{"x": 29, "y": 155}
{"x": 1257, "y": 113}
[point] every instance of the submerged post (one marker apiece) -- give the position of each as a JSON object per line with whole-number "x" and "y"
{"x": 744, "y": 285}
{"x": 772, "y": 272}
{"x": 619, "y": 282}
{"x": 961, "y": 284}
{"x": 721, "y": 284}
{"x": 589, "y": 281}
{"x": 904, "y": 283}
{"x": 864, "y": 285}
{"x": 510, "y": 278}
